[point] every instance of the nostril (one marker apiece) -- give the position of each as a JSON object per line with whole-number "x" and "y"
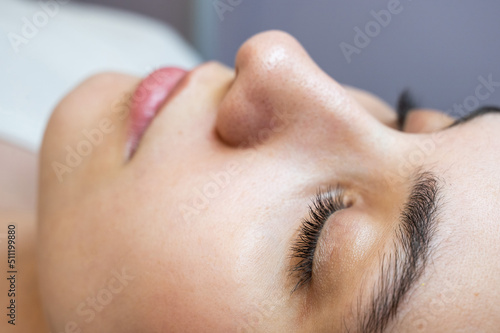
{"x": 244, "y": 121}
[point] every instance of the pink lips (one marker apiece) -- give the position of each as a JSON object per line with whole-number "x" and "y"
{"x": 147, "y": 100}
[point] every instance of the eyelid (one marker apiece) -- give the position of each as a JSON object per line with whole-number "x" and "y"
{"x": 475, "y": 114}
{"x": 324, "y": 205}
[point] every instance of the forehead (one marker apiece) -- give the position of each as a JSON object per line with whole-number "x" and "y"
{"x": 462, "y": 275}
{"x": 467, "y": 159}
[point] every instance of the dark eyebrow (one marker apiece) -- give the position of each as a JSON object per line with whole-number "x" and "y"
{"x": 400, "y": 270}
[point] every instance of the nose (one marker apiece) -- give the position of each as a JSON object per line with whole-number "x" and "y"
{"x": 280, "y": 91}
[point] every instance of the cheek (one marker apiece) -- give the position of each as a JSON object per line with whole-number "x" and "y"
{"x": 209, "y": 273}
{"x": 215, "y": 272}
{"x": 81, "y": 271}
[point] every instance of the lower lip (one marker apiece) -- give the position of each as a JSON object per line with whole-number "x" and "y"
{"x": 147, "y": 100}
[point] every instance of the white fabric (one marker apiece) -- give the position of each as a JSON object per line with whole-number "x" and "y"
{"x": 73, "y": 42}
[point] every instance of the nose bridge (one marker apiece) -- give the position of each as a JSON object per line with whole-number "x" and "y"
{"x": 279, "y": 93}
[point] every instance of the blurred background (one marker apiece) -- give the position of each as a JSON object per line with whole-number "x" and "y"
{"x": 441, "y": 50}
{"x": 436, "y": 48}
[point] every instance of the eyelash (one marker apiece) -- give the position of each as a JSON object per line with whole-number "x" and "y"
{"x": 323, "y": 206}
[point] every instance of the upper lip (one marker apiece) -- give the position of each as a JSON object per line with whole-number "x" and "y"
{"x": 144, "y": 115}
{"x": 185, "y": 81}
{"x": 179, "y": 87}
{"x": 176, "y": 90}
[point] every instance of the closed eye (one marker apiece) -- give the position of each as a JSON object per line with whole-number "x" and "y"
{"x": 324, "y": 205}
{"x": 476, "y": 113}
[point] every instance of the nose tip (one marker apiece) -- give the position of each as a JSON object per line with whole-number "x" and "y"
{"x": 276, "y": 83}
{"x": 244, "y": 121}
{"x": 253, "y": 110}
{"x": 267, "y": 51}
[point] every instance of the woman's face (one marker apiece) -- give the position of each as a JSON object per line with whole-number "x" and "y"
{"x": 202, "y": 229}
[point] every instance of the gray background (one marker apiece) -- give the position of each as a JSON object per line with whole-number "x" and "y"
{"x": 438, "y": 49}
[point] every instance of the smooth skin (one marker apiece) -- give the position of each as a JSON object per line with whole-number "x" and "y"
{"x": 259, "y": 142}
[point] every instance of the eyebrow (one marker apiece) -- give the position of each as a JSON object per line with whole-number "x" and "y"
{"x": 400, "y": 270}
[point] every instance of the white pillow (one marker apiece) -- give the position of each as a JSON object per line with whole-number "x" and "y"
{"x": 50, "y": 46}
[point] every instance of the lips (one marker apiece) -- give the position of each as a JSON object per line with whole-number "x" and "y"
{"x": 147, "y": 100}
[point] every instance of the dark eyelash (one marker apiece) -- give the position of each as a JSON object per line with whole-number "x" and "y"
{"x": 324, "y": 205}
{"x": 406, "y": 102}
